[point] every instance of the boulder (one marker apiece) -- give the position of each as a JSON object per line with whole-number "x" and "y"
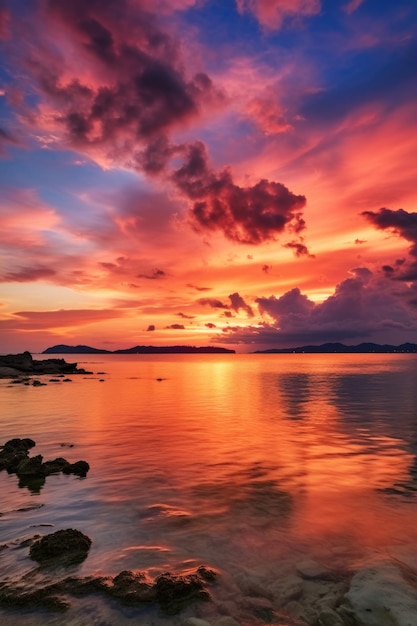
{"x": 382, "y": 596}
{"x": 62, "y": 547}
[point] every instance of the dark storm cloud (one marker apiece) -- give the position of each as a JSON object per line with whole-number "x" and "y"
{"x": 403, "y": 224}
{"x": 248, "y": 215}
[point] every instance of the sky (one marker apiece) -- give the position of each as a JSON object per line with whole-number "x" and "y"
{"x": 239, "y": 173}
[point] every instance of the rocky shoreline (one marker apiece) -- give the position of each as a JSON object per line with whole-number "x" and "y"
{"x": 309, "y": 592}
{"x": 18, "y": 365}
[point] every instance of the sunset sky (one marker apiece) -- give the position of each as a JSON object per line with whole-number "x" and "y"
{"x": 237, "y": 172}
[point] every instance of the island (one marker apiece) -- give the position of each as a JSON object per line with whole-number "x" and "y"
{"x": 340, "y": 348}
{"x": 64, "y": 349}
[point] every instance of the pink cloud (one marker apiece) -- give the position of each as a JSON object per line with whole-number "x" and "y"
{"x": 352, "y": 6}
{"x": 64, "y": 318}
{"x": 4, "y": 21}
{"x": 271, "y": 14}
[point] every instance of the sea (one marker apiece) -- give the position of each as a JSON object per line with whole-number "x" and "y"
{"x": 257, "y": 466}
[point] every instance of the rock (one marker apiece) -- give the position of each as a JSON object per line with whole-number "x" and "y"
{"x": 127, "y": 587}
{"x": 16, "y": 364}
{"x": 31, "y": 467}
{"x": 64, "y": 547}
{"x": 311, "y": 569}
{"x": 9, "y": 372}
{"x": 286, "y": 589}
{"x": 195, "y": 621}
{"x": 381, "y": 596}
{"x": 80, "y": 468}
{"x": 132, "y": 588}
{"x": 328, "y": 617}
{"x": 55, "y": 466}
{"x": 14, "y": 458}
{"x": 251, "y": 584}
{"x": 173, "y": 593}
{"x": 14, "y": 452}
{"x": 226, "y": 620}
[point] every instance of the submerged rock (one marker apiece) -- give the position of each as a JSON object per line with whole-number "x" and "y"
{"x": 62, "y": 547}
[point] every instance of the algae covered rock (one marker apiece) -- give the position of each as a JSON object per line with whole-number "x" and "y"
{"x": 62, "y": 547}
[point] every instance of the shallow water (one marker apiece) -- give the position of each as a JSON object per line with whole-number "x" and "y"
{"x": 249, "y": 464}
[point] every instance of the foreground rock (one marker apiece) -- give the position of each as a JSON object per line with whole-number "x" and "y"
{"x": 13, "y": 365}
{"x": 171, "y": 593}
{"x": 14, "y": 458}
{"x": 62, "y": 547}
{"x": 384, "y": 595}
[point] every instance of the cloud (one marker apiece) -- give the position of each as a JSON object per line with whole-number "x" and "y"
{"x": 28, "y": 275}
{"x": 156, "y": 274}
{"x": 237, "y": 303}
{"x": 212, "y": 302}
{"x": 112, "y": 84}
{"x": 6, "y": 138}
{"x": 364, "y": 307}
{"x": 186, "y": 317}
{"x": 151, "y": 327}
{"x": 210, "y": 325}
{"x": 197, "y": 288}
{"x": 175, "y": 327}
{"x": 62, "y": 318}
{"x": 403, "y": 224}
{"x": 132, "y": 88}
{"x": 247, "y": 215}
{"x": 4, "y": 21}
{"x": 352, "y": 6}
{"x": 300, "y": 249}
{"x": 272, "y": 13}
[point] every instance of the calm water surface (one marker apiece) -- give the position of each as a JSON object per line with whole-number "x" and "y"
{"x": 245, "y": 463}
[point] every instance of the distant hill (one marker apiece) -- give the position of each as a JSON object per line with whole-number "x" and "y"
{"x": 63, "y": 349}
{"x": 335, "y": 348}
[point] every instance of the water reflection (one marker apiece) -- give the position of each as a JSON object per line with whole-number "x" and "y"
{"x": 242, "y": 463}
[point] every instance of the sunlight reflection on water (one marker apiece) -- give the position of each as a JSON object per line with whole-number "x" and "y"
{"x": 240, "y": 462}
